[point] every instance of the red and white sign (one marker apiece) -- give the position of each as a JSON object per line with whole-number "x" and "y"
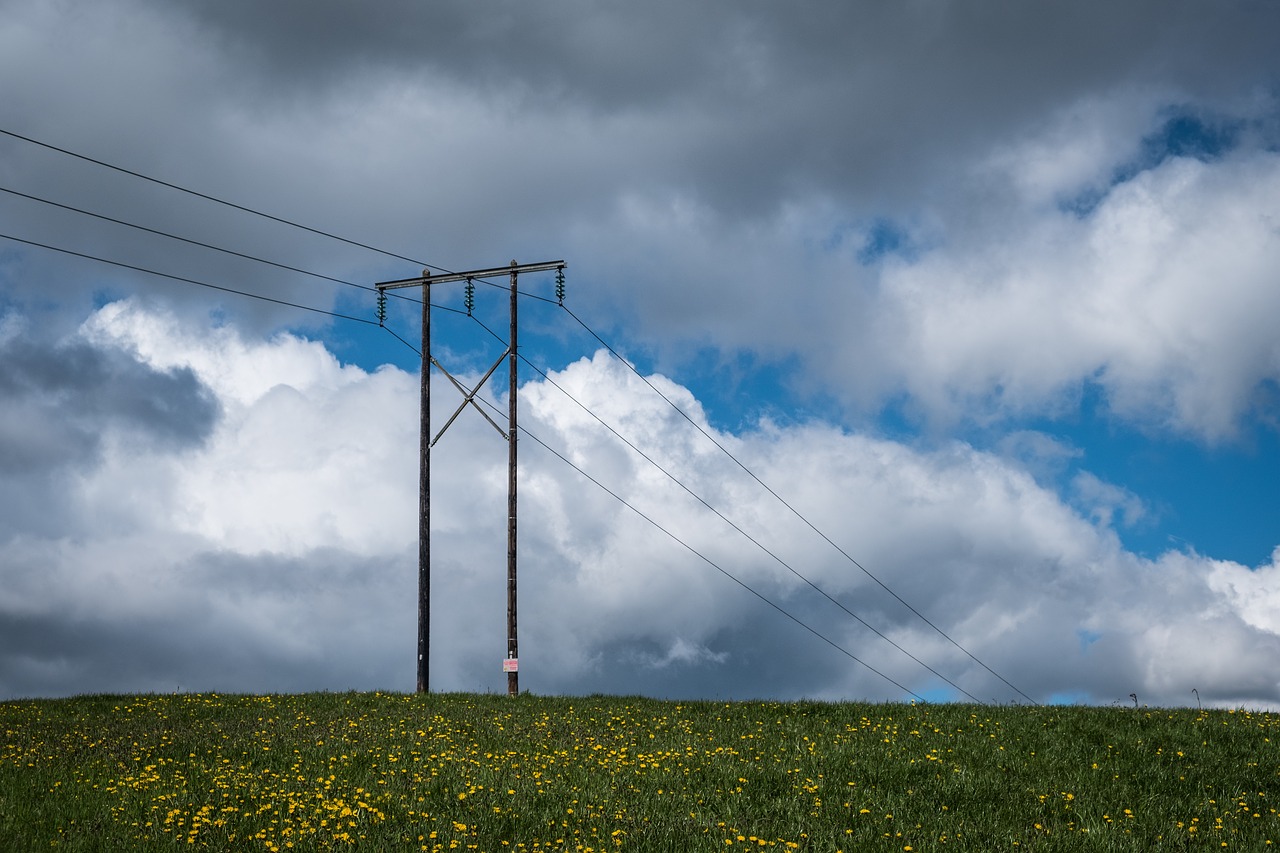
{"x": 511, "y": 665}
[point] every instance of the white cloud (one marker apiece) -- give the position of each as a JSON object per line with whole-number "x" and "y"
{"x": 1252, "y": 593}
{"x": 305, "y": 455}
{"x": 1107, "y": 503}
{"x": 1074, "y": 149}
{"x": 1159, "y": 296}
{"x": 281, "y": 553}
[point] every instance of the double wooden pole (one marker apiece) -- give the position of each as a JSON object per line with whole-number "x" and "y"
{"x": 427, "y": 441}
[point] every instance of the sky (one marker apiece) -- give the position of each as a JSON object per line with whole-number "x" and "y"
{"x": 917, "y": 351}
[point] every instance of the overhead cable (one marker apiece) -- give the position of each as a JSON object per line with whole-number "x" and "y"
{"x": 747, "y": 535}
{"x": 761, "y": 546}
{"x": 779, "y": 608}
{"x": 794, "y": 511}
{"x": 216, "y": 200}
{"x": 388, "y": 253}
{"x": 186, "y": 280}
{"x": 189, "y": 241}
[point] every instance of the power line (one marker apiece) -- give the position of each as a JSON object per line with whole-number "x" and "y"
{"x": 737, "y": 528}
{"x": 673, "y": 478}
{"x": 216, "y": 249}
{"x": 697, "y": 553}
{"x": 185, "y": 280}
{"x": 725, "y": 572}
{"x": 715, "y": 565}
{"x": 388, "y": 253}
{"x": 189, "y": 241}
{"x": 215, "y": 199}
{"x": 748, "y": 536}
{"x": 776, "y": 496}
{"x": 694, "y": 551}
{"x": 224, "y": 289}
{"x": 234, "y": 206}
{"x": 793, "y": 510}
{"x": 416, "y": 351}
{"x": 717, "y": 512}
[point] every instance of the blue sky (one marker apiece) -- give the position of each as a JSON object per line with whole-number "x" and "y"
{"x": 985, "y": 291}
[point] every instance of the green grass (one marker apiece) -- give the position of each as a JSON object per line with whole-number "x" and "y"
{"x": 488, "y": 773}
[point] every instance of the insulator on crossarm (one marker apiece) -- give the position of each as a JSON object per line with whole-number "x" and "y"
{"x": 382, "y": 308}
{"x": 470, "y": 297}
{"x": 560, "y": 285}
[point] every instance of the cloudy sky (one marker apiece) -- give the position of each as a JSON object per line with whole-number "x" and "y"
{"x": 985, "y": 293}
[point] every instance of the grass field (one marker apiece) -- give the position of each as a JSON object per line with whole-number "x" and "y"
{"x": 488, "y": 773}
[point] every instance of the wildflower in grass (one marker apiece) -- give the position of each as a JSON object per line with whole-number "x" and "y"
{"x": 580, "y": 761}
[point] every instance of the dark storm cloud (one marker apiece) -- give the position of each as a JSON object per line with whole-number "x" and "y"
{"x": 618, "y": 57}
{"x": 215, "y": 621}
{"x": 58, "y": 402}
{"x": 445, "y": 130}
{"x": 59, "y": 399}
{"x": 762, "y": 101}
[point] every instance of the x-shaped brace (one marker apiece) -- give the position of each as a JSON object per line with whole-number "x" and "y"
{"x": 469, "y": 397}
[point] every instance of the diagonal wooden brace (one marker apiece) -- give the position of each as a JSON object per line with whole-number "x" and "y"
{"x": 468, "y": 397}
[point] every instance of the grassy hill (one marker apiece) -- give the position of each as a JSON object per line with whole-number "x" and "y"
{"x": 487, "y": 773}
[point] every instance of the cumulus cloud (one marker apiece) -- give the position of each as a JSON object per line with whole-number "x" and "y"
{"x": 1158, "y": 297}
{"x": 278, "y": 552}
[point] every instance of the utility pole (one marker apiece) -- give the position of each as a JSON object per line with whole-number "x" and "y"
{"x": 512, "y": 662}
{"x": 424, "y": 496}
{"x": 426, "y": 441}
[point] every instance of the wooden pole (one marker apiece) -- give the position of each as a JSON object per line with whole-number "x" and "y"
{"x": 513, "y": 648}
{"x": 424, "y": 497}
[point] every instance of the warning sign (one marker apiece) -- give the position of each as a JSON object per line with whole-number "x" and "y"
{"x": 511, "y": 665}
